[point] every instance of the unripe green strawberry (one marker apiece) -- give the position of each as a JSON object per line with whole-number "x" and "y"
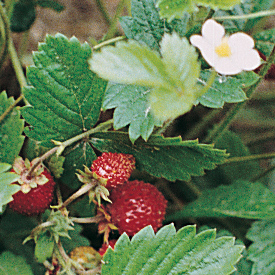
{"x": 36, "y": 192}
{"x": 136, "y": 204}
{"x": 113, "y": 169}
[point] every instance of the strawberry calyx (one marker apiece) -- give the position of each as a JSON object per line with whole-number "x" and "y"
{"x": 27, "y": 181}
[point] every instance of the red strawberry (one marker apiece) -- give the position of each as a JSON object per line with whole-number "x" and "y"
{"x": 36, "y": 191}
{"x": 105, "y": 246}
{"x": 113, "y": 169}
{"x": 136, "y": 204}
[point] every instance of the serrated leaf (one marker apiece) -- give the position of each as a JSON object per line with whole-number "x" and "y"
{"x": 132, "y": 108}
{"x": 171, "y": 252}
{"x": 11, "y": 128}
{"x": 170, "y": 158}
{"x": 170, "y": 9}
{"x": 145, "y": 25}
{"x": 262, "y": 251}
{"x": 225, "y": 90}
{"x": 66, "y": 96}
{"x": 23, "y": 15}
{"x": 44, "y": 247}
{"x": 265, "y": 41}
{"x": 52, "y": 4}
{"x": 7, "y": 189}
{"x": 241, "y": 199}
{"x": 13, "y": 264}
{"x": 172, "y": 77}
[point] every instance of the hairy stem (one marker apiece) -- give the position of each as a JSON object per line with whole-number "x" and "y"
{"x": 249, "y": 158}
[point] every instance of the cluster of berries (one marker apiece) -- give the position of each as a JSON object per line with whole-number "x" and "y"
{"x": 134, "y": 204}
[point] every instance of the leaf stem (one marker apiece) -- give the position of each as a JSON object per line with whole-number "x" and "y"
{"x": 95, "y": 219}
{"x": 249, "y": 158}
{"x": 246, "y": 16}
{"x": 223, "y": 125}
{"x": 104, "y": 12}
{"x": 108, "y": 42}
{"x": 104, "y": 126}
{"x": 263, "y": 174}
{"x": 11, "y": 107}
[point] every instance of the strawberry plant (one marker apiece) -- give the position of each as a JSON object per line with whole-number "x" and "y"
{"x": 146, "y": 151}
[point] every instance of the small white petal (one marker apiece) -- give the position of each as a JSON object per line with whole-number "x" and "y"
{"x": 251, "y": 60}
{"x": 240, "y": 42}
{"x": 196, "y": 40}
{"x": 227, "y": 66}
{"x": 212, "y": 31}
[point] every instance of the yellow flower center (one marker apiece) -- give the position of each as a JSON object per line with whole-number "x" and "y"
{"x": 223, "y": 50}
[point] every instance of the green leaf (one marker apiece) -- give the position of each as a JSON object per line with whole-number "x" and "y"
{"x": 262, "y": 251}
{"x": 55, "y": 164}
{"x": 66, "y": 96}
{"x": 52, "y": 4}
{"x": 23, "y": 15}
{"x": 132, "y": 108}
{"x": 170, "y": 9}
{"x": 44, "y": 247}
{"x": 171, "y": 252}
{"x": 7, "y": 189}
{"x": 170, "y": 158}
{"x": 227, "y": 90}
{"x": 11, "y": 128}
{"x": 145, "y": 25}
{"x": 12, "y": 264}
{"x": 173, "y": 76}
{"x": 265, "y": 41}
{"x": 241, "y": 199}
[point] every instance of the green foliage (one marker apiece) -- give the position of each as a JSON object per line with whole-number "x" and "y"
{"x": 24, "y": 13}
{"x": 11, "y": 128}
{"x": 44, "y": 247}
{"x": 265, "y": 41}
{"x": 172, "y": 77}
{"x": 171, "y": 9}
{"x": 262, "y": 250}
{"x": 228, "y": 90}
{"x": 145, "y": 25}
{"x": 12, "y": 264}
{"x": 241, "y": 199}
{"x": 66, "y": 96}
{"x": 132, "y": 107}
{"x": 170, "y": 158}
{"x": 171, "y": 252}
{"x": 7, "y": 189}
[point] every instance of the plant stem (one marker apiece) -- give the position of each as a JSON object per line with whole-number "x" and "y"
{"x": 104, "y": 12}
{"x": 249, "y": 158}
{"x": 108, "y": 42}
{"x": 95, "y": 219}
{"x": 263, "y": 174}
{"x": 246, "y": 16}
{"x": 11, "y": 107}
{"x": 223, "y": 126}
{"x": 62, "y": 145}
{"x": 5, "y": 34}
{"x": 83, "y": 190}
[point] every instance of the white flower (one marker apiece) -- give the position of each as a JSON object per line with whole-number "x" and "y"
{"x": 227, "y": 55}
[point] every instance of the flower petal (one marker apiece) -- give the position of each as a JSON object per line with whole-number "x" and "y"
{"x": 251, "y": 60}
{"x": 212, "y": 31}
{"x": 227, "y": 66}
{"x": 240, "y": 42}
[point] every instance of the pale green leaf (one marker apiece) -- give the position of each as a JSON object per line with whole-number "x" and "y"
{"x": 11, "y": 264}
{"x": 225, "y": 89}
{"x": 11, "y": 128}
{"x": 6, "y": 188}
{"x": 265, "y": 41}
{"x": 66, "y": 96}
{"x": 262, "y": 251}
{"x": 132, "y": 108}
{"x": 219, "y": 4}
{"x": 145, "y": 26}
{"x": 170, "y": 158}
{"x": 241, "y": 199}
{"x": 171, "y": 252}
{"x": 172, "y": 77}
{"x": 170, "y": 9}
{"x": 44, "y": 247}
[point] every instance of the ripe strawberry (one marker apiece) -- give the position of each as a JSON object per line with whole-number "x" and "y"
{"x": 136, "y": 204}
{"x": 105, "y": 246}
{"x": 113, "y": 169}
{"x": 36, "y": 191}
